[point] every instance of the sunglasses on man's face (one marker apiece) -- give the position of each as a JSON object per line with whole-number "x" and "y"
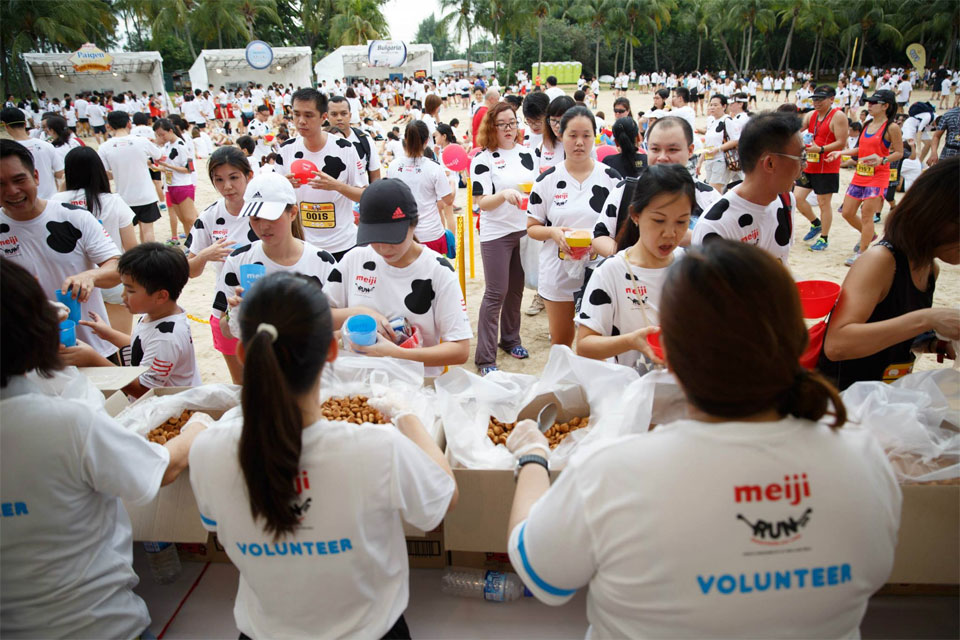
{"x": 619, "y": 111}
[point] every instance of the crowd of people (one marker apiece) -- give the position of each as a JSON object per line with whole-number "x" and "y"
{"x": 342, "y": 199}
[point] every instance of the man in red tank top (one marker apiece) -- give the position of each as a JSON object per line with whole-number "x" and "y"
{"x": 824, "y": 130}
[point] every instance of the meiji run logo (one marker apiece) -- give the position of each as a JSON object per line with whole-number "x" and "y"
{"x": 793, "y": 490}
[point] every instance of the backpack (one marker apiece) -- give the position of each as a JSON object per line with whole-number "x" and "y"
{"x": 920, "y": 107}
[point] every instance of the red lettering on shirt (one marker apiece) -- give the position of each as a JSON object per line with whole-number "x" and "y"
{"x": 793, "y": 489}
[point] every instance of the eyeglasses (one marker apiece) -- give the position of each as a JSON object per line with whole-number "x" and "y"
{"x": 533, "y": 122}
{"x": 555, "y": 122}
{"x": 506, "y": 126}
{"x": 801, "y": 159}
{"x": 619, "y": 111}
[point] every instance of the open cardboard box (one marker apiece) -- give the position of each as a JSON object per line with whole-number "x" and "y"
{"x": 111, "y": 379}
{"x": 928, "y": 551}
{"x": 479, "y": 523}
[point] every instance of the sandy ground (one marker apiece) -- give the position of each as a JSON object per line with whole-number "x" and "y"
{"x": 197, "y": 297}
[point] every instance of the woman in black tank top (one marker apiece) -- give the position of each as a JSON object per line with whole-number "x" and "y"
{"x": 885, "y": 313}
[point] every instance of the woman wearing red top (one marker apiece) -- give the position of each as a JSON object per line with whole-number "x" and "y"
{"x": 879, "y": 144}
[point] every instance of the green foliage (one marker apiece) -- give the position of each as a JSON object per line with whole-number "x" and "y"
{"x": 432, "y": 31}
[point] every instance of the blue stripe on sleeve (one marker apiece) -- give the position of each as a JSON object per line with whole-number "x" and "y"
{"x": 537, "y": 580}
{"x": 207, "y": 521}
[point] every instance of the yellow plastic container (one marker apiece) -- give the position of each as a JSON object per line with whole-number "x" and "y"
{"x": 579, "y": 238}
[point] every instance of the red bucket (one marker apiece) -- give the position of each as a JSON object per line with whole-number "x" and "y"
{"x": 817, "y": 297}
{"x": 653, "y": 339}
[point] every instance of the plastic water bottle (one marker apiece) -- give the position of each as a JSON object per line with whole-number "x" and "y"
{"x": 488, "y": 585}
{"x": 164, "y": 561}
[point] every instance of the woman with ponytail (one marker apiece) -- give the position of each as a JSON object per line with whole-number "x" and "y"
{"x": 311, "y": 510}
{"x": 757, "y": 516}
{"x": 180, "y": 175}
{"x": 631, "y": 160}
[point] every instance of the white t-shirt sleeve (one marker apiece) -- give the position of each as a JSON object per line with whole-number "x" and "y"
{"x": 540, "y": 197}
{"x": 199, "y": 455}
{"x": 421, "y": 489}
{"x": 453, "y": 323}
{"x": 552, "y": 550}
{"x": 199, "y": 237}
{"x": 121, "y": 463}
{"x": 597, "y": 311}
{"x": 440, "y": 183}
{"x": 97, "y": 245}
{"x": 483, "y": 181}
{"x": 56, "y": 159}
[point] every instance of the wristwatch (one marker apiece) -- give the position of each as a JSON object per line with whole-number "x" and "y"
{"x": 883, "y": 161}
{"x": 530, "y": 459}
{"x": 821, "y": 149}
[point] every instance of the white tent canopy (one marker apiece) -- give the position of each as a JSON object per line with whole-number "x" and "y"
{"x": 351, "y": 62}
{"x": 135, "y": 71}
{"x": 291, "y": 65}
{"x": 447, "y": 67}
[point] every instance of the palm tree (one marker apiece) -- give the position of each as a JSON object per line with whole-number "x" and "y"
{"x": 540, "y": 10}
{"x": 460, "y": 15}
{"x": 819, "y": 19}
{"x": 214, "y": 17}
{"x": 253, "y": 9}
{"x": 792, "y": 10}
{"x": 173, "y": 16}
{"x": 656, "y": 16}
{"x": 357, "y": 22}
{"x": 869, "y": 16}
{"x": 752, "y": 14}
{"x": 694, "y": 18}
{"x": 940, "y": 20}
{"x": 598, "y": 14}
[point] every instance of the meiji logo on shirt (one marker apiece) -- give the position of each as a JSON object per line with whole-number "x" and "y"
{"x": 365, "y": 284}
{"x": 560, "y": 199}
{"x": 753, "y": 236}
{"x": 793, "y": 490}
{"x": 219, "y": 234}
{"x": 11, "y": 246}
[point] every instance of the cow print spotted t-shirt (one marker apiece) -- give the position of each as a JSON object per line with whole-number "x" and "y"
{"x": 492, "y": 172}
{"x": 769, "y": 227}
{"x": 327, "y": 216}
{"x": 558, "y": 200}
{"x": 425, "y": 292}
{"x": 315, "y": 263}
{"x": 165, "y": 347}
{"x": 62, "y": 241}
{"x": 214, "y": 224}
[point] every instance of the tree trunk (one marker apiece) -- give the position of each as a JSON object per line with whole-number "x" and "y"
{"x": 540, "y": 42}
{"x": 616, "y": 59}
{"x": 626, "y": 47}
{"x": 813, "y": 55}
{"x": 816, "y": 68}
{"x": 513, "y": 46}
{"x": 189, "y": 39}
{"x": 863, "y": 45}
{"x": 726, "y": 49}
{"x": 846, "y": 58}
{"x": 4, "y": 65}
{"x": 948, "y": 59}
{"x": 656, "y": 55}
{"x": 786, "y": 49}
{"x": 219, "y": 36}
{"x": 743, "y": 49}
{"x": 746, "y": 68}
{"x": 596, "y": 64}
{"x": 699, "y": 45}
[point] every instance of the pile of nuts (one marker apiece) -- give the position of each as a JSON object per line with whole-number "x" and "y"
{"x": 169, "y": 429}
{"x": 354, "y": 410}
{"x": 498, "y": 432}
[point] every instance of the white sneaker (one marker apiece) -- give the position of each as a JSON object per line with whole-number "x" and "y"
{"x": 536, "y": 306}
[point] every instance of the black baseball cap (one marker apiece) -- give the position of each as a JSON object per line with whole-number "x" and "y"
{"x": 387, "y": 209}
{"x": 824, "y": 91}
{"x": 883, "y": 95}
{"x": 13, "y": 117}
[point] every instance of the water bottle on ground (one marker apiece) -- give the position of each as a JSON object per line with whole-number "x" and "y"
{"x": 495, "y": 586}
{"x": 164, "y": 561}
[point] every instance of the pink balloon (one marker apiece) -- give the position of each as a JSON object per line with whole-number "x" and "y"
{"x": 455, "y": 158}
{"x": 473, "y": 152}
{"x": 605, "y": 150}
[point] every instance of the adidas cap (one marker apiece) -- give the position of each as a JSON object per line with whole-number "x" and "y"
{"x": 267, "y": 196}
{"x": 387, "y": 209}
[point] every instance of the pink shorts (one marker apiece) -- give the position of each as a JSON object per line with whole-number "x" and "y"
{"x": 176, "y": 195}
{"x": 439, "y": 245}
{"x": 226, "y": 346}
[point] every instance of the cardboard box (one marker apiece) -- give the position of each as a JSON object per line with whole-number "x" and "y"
{"x": 116, "y": 403}
{"x": 112, "y": 379}
{"x": 209, "y": 551}
{"x": 928, "y": 546}
{"x": 488, "y": 561}
{"x": 427, "y": 551}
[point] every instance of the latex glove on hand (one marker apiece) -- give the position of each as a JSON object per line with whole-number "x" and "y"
{"x": 198, "y": 422}
{"x": 392, "y": 405}
{"x": 526, "y": 438}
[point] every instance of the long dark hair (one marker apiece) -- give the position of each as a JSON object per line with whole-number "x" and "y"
{"x": 733, "y": 332}
{"x": 83, "y": 169}
{"x": 557, "y": 107}
{"x": 228, "y": 155}
{"x": 29, "y": 330}
{"x": 168, "y": 125}
{"x": 625, "y": 133}
{"x": 275, "y": 373}
{"x": 660, "y": 178}
{"x": 58, "y": 125}
{"x": 415, "y": 137}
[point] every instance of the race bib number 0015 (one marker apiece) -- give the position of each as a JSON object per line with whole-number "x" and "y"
{"x": 318, "y": 215}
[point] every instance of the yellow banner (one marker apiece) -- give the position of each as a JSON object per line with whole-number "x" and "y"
{"x": 917, "y": 55}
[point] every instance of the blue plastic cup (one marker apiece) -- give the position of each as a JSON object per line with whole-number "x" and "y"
{"x": 362, "y": 330}
{"x": 250, "y": 273}
{"x": 68, "y": 333}
{"x": 72, "y": 303}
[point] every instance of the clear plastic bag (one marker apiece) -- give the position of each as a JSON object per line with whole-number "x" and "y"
{"x": 916, "y": 420}
{"x": 467, "y": 401}
{"x": 69, "y": 384}
{"x": 149, "y": 413}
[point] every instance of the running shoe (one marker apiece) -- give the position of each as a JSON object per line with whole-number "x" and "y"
{"x": 536, "y": 306}
{"x": 517, "y": 352}
{"x": 820, "y": 245}
{"x": 813, "y": 233}
{"x": 172, "y": 242}
{"x": 490, "y": 369}
{"x": 876, "y": 218}
{"x": 856, "y": 247}
{"x": 849, "y": 261}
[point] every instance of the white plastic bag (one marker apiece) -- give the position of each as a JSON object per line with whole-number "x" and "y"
{"x": 656, "y": 399}
{"x": 916, "y": 420}
{"x": 69, "y": 384}
{"x": 530, "y": 260}
{"x": 150, "y": 413}
{"x": 467, "y": 401}
{"x": 351, "y": 375}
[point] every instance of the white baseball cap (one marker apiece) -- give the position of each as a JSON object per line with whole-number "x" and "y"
{"x": 267, "y": 196}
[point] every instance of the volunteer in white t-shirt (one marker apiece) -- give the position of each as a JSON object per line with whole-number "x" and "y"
{"x": 621, "y": 302}
{"x": 774, "y": 525}
{"x": 317, "y": 537}
{"x": 47, "y": 162}
{"x": 551, "y": 146}
{"x": 326, "y": 200}
{"x": 65, "y": 538}
{"x": 429, "y": 185}
{"x": 569, "y": 198}
{"x": 502, "y": 176}
{"x": 397, "y": 277}
{"x": 87, "y": 186}
{"x": 368, "y": 166}
{"x": 179, "y": 175}
{"x": 259, "y": 129}
{"x": 61, "y": 244}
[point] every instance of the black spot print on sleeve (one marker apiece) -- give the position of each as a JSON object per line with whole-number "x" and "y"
{"x": 240, "y": 250}
{"x": 535, "y": 198}
{"x": 481, "y": 168}
{"x": 333, "y": 166}
{"x": 189, "y": 241}
{"x": 199, "y": 223}
{"x": 63, "y": 236}
{"x": 600, "y": 195}
{"x": 546, "y": 173}
{"x": 444, "y": 262}
{"x": 614, "y": 330}
{"x": 279, "y": 158}
{"x": 703, "y": 186}
{"x": 166, "y": 327}
{"x": 343, "y": 144}
{"x": 716, "y": 211}
{"x": 599, "y": 297}
{"x": 136, "y": 352}
{"x": 173, "y": 154}
{"x": 584, "y": 316}
{"x": 600, "y": 230}
{"x": 784, "y": 226}
{"x": 231, "y": 280}
{"x": 611, "y": 210}
{"x": 477, "y": 188}
{"x": 73, "y": 207}
{"x": 420, "y": 298}
{"x": 526, "y": 160}
{"x": 326, "y": 257}
{"x": 335, "y": 276}
{"x": 290, "y": 141}
{"x": 745, "y": 220}
{"x": 220, "y": 301}
{"x": 612, "y": 173}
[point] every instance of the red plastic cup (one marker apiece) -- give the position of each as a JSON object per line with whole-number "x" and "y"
{"x": 577, "y": 253}
{"x": 653, "y": 339}
{"x": 817, "y": 297}
{"x": 523, "y": 203}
